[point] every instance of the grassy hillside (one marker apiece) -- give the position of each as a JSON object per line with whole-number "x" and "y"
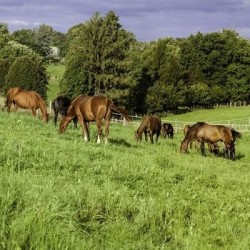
{"x": 56, "y": 72}
{"x": 58, "y": 192}
{"x": 223, "y": 114}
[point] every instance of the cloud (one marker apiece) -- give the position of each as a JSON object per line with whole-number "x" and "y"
{"x": 148, "y": 20}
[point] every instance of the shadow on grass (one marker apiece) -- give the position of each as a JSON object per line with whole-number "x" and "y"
{"x": 237, "y": 156}
{"x": 120, "y": 142}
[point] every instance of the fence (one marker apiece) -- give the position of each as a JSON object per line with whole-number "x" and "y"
{"x": 241, "y": 125}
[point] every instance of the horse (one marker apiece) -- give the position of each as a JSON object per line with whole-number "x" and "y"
{"x": 151, "y": 124}
{"x": 60, "y": 106}
{"x": 167, "y": 130}
{"x": 26, "y": 100}
{"x": 203, "y": 132}
{"x": 92, "y": 108}
{"x": 213, "y": 147}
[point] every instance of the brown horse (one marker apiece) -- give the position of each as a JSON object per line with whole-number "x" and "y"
{"x": 167, "y": 129}
{"x": 151, "y": 124}
{"x": 26, "y": 100}
{"x": 203, "y": 132}
{"x": 92, "y": 108}
{"x": 213, "y": 147}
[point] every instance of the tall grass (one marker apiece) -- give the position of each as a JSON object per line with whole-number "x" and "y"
{"x": 58, "y": 192}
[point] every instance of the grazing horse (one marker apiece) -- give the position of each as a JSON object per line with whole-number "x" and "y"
{"x": 203, "y": 132}
{"x": 213, "y": 147}
{"x": 26, "y": 100}
{"x": 60, "y": 106}
{"x": 151, "y": 124}
{"x": 92, "y": 108}
{"x": 167, "y": 130}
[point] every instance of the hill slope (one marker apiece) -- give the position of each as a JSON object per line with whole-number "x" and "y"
{"x": 58, "y": 192}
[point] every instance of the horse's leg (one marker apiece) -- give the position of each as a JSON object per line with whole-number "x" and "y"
{"x": 84, "y": 127}
{"x": 157, "y": 137}
{"x": 146, "y": 135}
{"x": 86, "y": 130}
{"x": 107, "y": 123}
{"x": 75, "y": 122}
{"x": 9, "y": 106}
{"x": 151, "y": 137}
{"x": 202, "y": 147}
{"x": 33, "y": 110}
{"x": 232, "y": 153}
{"x": 226, "y": 151}
{"x": 15, "y": 108}
{"x": 55, "y": 117}
{"x": 99, "y": 128}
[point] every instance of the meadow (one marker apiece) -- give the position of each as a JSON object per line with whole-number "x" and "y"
{"x": 58, "y": 192}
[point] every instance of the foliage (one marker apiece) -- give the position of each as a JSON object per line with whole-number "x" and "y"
{"x": 4, "y": 69}
{"x": 28, "y": 73}
{"x": 13, "y": 50}
{"x": 98, "y": 52}
{"x": 4, "y": 35}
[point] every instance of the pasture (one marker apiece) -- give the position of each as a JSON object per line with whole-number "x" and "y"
{"x": 58, "y": 192}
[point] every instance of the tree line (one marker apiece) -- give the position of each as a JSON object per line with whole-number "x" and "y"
{"x": 101, "y": 57}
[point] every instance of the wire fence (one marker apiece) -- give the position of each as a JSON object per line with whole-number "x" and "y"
{"x": 241, "y": 125}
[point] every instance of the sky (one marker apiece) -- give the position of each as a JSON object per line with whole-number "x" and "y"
{"x": 148, "y": 20}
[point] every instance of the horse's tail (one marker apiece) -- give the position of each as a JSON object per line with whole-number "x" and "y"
{"x": 121, "y": 111}
{"x": 236, "y": 134}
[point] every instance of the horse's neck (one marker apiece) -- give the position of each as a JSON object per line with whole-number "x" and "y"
{"x": 189, "y": 137}
{"x": 42, "y": 106}
{"x": 142, "y": 128}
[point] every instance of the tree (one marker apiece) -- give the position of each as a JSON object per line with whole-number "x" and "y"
{"x": 103, "y": 45}
{"x": 28, "y": 73}
{"x": 43, "y": 38}
{"x": 4, "y": 35}
{"x": 4, "y": 69}
{"x": 26, "y": 37}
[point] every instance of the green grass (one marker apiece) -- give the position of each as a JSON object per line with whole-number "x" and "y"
{"x": 56, "y": 73}
{"x": 224, "y": 114}
{"x": 58, "y": 192}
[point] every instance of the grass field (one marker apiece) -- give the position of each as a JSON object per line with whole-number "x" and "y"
{"x": 58, "y": 192}
{"x": 55, "y": 72}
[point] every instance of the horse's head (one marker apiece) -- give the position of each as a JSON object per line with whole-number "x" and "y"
{"x": 45, "y": 118}
{"x": 183, "y": 148}
{"x": 138, "y": 136}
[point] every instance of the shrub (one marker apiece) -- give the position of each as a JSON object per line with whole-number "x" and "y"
{"x": 28, "y": 73}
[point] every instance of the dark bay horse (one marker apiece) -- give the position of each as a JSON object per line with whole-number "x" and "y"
{"x": 26, "y": 100}
{"x": 92, "y": 108}
{"x": 203, "y": 132}
{"x": 60, "y": 106}
{"x": 151, "y": 124}
{"x": 167, "y": 129}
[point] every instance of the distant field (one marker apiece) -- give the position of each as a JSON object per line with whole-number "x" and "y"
{"x": 56, "y": 72}
{"x": 215, "y": 115}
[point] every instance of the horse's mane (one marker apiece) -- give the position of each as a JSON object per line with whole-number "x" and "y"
{"x": 71, "y": 108}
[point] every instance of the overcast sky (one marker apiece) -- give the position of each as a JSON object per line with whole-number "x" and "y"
{"x": 147, "y": 19}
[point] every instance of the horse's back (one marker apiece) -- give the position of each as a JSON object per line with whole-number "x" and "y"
{"x": 154, "y": 123}
{"x": 93, "y": 107}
